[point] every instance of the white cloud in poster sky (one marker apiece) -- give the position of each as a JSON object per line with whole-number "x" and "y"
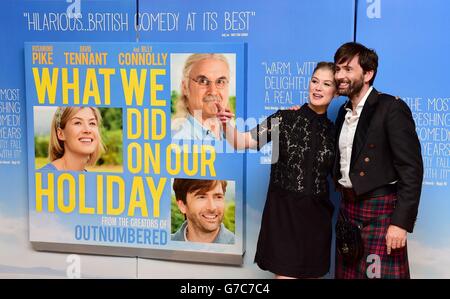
{"x": 15, "y": 249}
{"x": 43, "y": 116}
{"x": 13, "y": 227}
{"x": 428, "y": 262}
{"x": 47, "y": 226}
{"x": 16, "y": 253}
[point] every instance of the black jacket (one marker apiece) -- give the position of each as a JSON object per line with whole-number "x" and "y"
{"x": 385, "y": 149}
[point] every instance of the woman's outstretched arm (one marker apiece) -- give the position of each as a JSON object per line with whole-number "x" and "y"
{"x": 239, "y": 140}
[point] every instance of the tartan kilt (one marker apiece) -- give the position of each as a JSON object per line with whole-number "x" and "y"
{"x": 375, "y": 215}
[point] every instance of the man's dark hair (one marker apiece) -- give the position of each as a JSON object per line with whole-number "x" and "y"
{"x": 367, "y": 58}
{"x": 184, "y": 186}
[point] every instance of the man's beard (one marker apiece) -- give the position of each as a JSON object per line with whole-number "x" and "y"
{"x": 354, "y": 87}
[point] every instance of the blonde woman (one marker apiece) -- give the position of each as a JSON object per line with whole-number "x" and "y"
{"x": 75, "y": 140}
{"x": 295, "y": 236}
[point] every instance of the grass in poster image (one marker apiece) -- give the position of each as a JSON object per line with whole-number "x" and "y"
{"x": 40, "y": 162}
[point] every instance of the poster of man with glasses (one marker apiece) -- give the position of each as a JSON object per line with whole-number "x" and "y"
{"x": 207, "y": 87}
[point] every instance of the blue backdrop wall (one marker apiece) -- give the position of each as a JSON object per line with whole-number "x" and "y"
{"x": 409, "y": 37}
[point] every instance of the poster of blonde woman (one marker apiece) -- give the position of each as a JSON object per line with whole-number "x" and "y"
{"x": 78, "y": 139}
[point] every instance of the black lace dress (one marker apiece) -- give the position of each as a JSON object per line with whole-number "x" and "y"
{"x": 296, "y": 227}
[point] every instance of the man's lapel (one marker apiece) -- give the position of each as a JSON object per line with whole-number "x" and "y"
{"x": 339, "y": 122}
{"x": 363, "y": 124}
{"x": 340, "y": 119}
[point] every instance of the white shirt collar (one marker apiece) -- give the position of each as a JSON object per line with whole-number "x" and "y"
{"x": 360, "y": 105}
{"x": 185, "y": 233}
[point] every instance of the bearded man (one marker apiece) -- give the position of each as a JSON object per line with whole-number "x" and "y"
{"x": 378, "y": 167}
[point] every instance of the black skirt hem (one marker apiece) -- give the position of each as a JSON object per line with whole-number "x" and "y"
{"x": 297, "y": 272}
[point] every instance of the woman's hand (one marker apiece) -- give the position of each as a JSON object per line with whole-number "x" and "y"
{"x": 296, "y": 107}
{"x": 224, "y": 114}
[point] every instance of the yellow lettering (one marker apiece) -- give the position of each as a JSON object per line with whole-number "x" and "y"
{"x": 74, "y": 85}
{"x": 156, "y": 193}
{"x": 112, "y": 181}
{"x": 194, "y": 168}
{"x": 137, "y": 198}
{"x": 139, "y": 124}
{"x": 66, "y": 178}
{"x": 46, "y": 84}
{"x": 154, "y": 87}
{"x": 208, "y": 162}
{"x": 107, "y": 73}
{"x": 71, "y": 195}
{"x": 100, "y": 194}
{"x": 153, "y": 159}
{"x": 91, "y": 88}
{"x": 133, "y": 118}
{"x": 158, "y": 120}
{"x": 133, "y": 86}
{"x": 48, "y": 192}
{"x": 134, "y": 152}
{"x": 82, "y": 197}
{"x": 173, "y": 150}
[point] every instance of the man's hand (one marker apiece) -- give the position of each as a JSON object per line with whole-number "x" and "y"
{"x": 296, "y": 107}
{"x": 395, "y": 238}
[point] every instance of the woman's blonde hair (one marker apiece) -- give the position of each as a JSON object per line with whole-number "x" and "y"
{"x": 60, "y": 119}
{"x": 181, "y": 108}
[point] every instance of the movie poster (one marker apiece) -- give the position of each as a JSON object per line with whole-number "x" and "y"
{"x": 119, "y": 160}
